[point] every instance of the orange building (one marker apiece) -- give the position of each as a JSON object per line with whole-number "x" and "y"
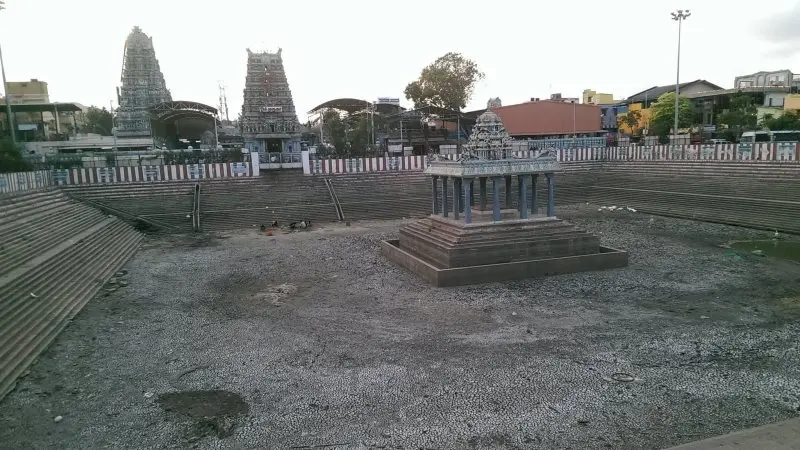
{"x": 550, "y": 118}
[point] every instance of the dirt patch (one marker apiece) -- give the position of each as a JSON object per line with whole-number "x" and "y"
{"x": 272, "y": 296}
{"x": 213, "y": 412}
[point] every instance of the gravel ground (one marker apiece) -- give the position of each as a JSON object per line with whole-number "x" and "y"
{"x": 312, "y": 339}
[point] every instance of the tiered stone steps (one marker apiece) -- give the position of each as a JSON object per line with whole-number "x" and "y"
{"x": 756, "y": 195}
{"x": 167, "y": 204}
{"x": 69, "y": 252}
{"x": 285, "y": 196}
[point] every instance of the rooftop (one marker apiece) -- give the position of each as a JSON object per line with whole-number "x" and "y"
{"x": 654, "y": 92}
{"x": 549, "y": 117}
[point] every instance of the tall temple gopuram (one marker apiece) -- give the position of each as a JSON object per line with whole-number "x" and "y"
{"x": 142, "y": 87}
{"x": 269, "y": 120}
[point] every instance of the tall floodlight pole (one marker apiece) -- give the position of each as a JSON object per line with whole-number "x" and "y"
{"x": 216, "y": 133}
{"x": 679, "y": 16}
{"x": 5, "y": 88}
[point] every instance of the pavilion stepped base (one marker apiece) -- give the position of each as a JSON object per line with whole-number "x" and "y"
{"x": 445, "y": 252}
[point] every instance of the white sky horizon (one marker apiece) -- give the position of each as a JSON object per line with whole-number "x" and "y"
{"x": 347, "y": 48}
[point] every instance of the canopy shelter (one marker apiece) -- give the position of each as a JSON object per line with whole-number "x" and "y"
{"x": 348, "y": 105}
{"x": 183, "y": 120}
{"x": 30, "y": 127}
{"x": 355, "y": 105}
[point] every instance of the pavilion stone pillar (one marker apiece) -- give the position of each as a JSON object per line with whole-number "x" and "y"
{"x": 482, "y": 188}
{"x": 496, "y": 198}
{"x": 471, "y": 192}
{"x": 445, "y": 208}
{"x": 551, "y": 194}
{"x": 523, "y": 196}
{"x": 435, "y": 186}
{"x": 456, "y": 197}
{"x": 468, "y": 185}
{"x": 534, "y": 183}
{"x": 508, "y": 192}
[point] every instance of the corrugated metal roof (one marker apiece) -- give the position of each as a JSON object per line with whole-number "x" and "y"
{"x": 654, "y": 92}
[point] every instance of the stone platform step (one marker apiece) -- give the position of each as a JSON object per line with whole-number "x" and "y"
{"x": 455, "y": 234}
{"x": 448, "y": 244}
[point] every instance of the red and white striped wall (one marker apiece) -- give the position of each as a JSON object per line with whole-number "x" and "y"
{"x": 359, "y": 165}
{"x": 141, "y": 174}
{"x": 764, "y": 151}
{"x": 24, "y": 181}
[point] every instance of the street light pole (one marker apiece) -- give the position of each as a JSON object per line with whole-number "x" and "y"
{"x": 679, "y": 16}
{"x": 5, "y": 89}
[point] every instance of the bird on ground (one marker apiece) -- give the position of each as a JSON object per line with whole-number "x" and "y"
{"x": 263, "y": 228}
{"x": 274, "y": 224}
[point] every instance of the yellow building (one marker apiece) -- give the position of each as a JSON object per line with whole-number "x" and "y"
{"x": 28, "y": 92}
{"x": 792, "y": 102}
{"x": 591, "y": 96}
{"x": 644, "y": 121}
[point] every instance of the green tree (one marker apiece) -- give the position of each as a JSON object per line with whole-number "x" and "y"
{"x": 741, "y": 116}
{"x": 662, "y": 117}
{"x": 446, "y": 83}
{"x": 630, "y": 119}
{"x": 790, "y": 120}
{"x": 359, "y": 135}
{"x": 11, "y": 159}
{"x": 98, "y": 120}
{"x": 334, "y": 131}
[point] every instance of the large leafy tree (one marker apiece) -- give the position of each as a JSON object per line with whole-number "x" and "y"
{"x": 741, "y": 116}
{"x": 662, "y": 117}
{"x": 334, "y": 131}
{"x": 11, "y": 159}
{"x": 98, "y": 120}
{"x": 630, "y": 119}
{"x": 790, "y": 120}
{"x": 446, "y": 83}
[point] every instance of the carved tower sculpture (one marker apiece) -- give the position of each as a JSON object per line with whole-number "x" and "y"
{"x": 142, "y": 87}
{"x": 269, "y": 120}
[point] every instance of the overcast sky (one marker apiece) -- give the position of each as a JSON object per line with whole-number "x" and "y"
{"x": 368, "y": 48}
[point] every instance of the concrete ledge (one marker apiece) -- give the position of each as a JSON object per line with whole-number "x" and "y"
{"x": 777, "y": 436}
{"x": 608, "y": 258}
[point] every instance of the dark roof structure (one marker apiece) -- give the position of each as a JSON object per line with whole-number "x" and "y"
{"x": 349, "y": 105}
{"x": 182, "y": 109}
{"x": 354, "y": 105}
{"x": 654, "y": 92}
{"x": 42, "y": 107}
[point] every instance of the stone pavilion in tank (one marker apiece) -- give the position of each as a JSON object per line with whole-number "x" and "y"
{"x": 468, "y": 242}
{"x": 269, "y": 120}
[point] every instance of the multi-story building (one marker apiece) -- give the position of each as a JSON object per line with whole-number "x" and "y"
{"x": 269, "y": 120}
{"x": 28, "y": 92}
{"x": 778, "y": 78}
{"x": 590, "y": 96}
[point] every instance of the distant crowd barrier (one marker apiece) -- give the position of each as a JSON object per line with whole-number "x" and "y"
{"x": 780, "y": 151}
{"x": 25, "y": 181}
{"x": 141, "y": 174}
